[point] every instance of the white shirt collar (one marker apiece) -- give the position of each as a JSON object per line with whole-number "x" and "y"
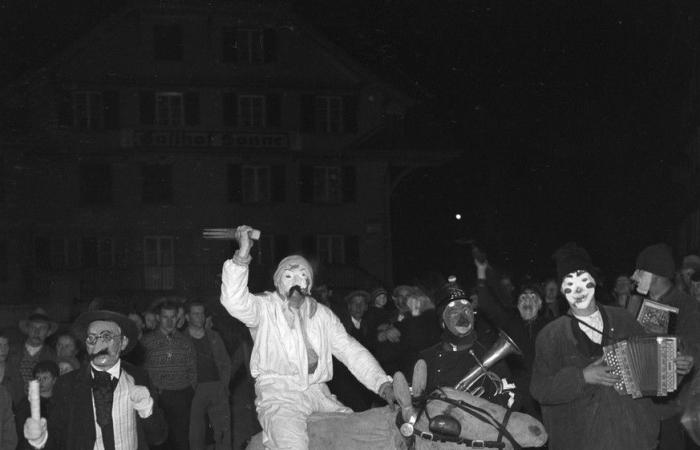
{"x": 32, "y": 350}
{"x": 114, "y": 370}
{"x": 355, "y": 322}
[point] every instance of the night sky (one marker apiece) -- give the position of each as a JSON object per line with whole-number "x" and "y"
{"x": 571, "y": 115}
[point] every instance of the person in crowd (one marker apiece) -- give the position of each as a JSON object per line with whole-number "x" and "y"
{"x": 150, "y": 320}
{"x": 689, "y": 267}
{"x": 8, "y": 433}
{"x": 418, "y": 326}
{"x": 107, "y": 403}
{"x": 460, "y": 350}
{"x": 213, "y": 376}
{"x": 554, "y": 303}
{"x": 654, "y": 274}
{"x": 324, "y": 294}
{"x": 37, "y": 327}
{"x": 344, "y": 385}
{"x": 580, "y": 407}
{"x": 67, "y": 364}
{"x": 46, "y": 373}
{"x": 624, "y": 296}
{"x": 66, "y": 345}
{"x": 295, "y": 339}
{"x": 377, "y": 314}
{"x": 171, "y": 361}
{"x": 137, "y": 355}
{"x": 387, "y": 349}
{"x": 10, "y": 376}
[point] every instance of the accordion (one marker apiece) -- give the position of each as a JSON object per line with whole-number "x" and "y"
{"x": 645, "y": 364}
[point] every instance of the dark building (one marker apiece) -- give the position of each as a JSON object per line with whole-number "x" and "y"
{"x": 175, "y": 116}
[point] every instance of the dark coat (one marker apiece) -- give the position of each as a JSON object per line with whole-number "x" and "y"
{"x": 71, "y": 421}
{"x": 585, "y": 416}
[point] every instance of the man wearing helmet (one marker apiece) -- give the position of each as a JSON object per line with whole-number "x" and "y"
{"x": 295, "y": 339}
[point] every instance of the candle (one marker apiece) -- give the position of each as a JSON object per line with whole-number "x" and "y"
{"x": 35, "y": 399}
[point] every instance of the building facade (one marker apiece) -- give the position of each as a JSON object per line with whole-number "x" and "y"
{"x": 171, "y": 117}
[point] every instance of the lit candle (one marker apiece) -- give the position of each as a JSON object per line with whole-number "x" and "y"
{"x": 35, "y": 399}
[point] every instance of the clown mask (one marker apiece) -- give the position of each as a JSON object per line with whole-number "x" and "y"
{"x": 529, "y": 304}
{"x": 458, "y": 317}
{"x": 578, "y": 288}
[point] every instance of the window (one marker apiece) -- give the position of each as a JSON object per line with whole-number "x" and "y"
{"x": 329, "y": 114}
{"x": 248, "y": 45}
{"x": 167, "y": 42}
{"x": 255, "y": 184}
{"x": 158, "y": 258}
{"x": 169, "y": 111}
{"x": 87, "y": 110}
{"x": 327, "y": 184}
{"x": 251, "y": 111}
{"x": 157, "y": 184}
{"x": 98, "y": 252}
{"x": 95, "y": 183}
{"x": 330, "y": 248}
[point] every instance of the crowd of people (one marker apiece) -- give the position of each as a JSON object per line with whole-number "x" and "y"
{"x": 118, "y": 378}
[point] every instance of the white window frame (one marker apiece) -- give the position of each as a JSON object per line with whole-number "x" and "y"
{"x": 88, "y": 110}
{"x": 252, "y": 111}
{"x": 159, "y": 266}
{"x": 169, "y": 116}
{"x": 256, "y": 184}
{"x": 251, "y": 45}
{"x": 329, "y": 113}
{"x": 327, "y": 184}
{"x": 331, "y": 248}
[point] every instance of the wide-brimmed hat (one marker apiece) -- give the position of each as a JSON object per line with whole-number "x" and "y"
{"x": 127, "y": 326}
{"x": 38, "y": 315}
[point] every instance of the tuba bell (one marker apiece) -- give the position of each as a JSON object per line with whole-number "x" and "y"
{"x": 503, "y": 347}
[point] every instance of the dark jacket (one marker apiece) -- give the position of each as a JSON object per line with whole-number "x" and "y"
{"x": 221, "y": 356}
{"x": 585, "y": 416}
{"x": 71, "y": 421}
{"x": 8, "y": 435}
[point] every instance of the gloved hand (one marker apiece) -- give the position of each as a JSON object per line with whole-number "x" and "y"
{"x": 35, "y": 432}
{"x": 386, "y": 391}
{"x": 140, "y": 399}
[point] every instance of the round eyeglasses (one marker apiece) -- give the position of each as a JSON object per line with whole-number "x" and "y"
{"x": 105, "y": 336}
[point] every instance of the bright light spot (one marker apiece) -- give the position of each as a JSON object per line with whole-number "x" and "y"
{"x": 458, "y": 216}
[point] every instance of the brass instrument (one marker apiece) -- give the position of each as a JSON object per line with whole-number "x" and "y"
{"x": 503, "y": 347}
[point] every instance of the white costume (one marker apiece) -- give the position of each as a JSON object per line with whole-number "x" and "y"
{"x": 286, "y": 394}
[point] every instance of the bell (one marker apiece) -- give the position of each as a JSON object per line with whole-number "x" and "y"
{"x": 446, "y": 425}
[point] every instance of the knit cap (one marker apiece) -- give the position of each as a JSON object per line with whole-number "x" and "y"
{"x": 571, "y": 258}
{"x": 657, "y": 259}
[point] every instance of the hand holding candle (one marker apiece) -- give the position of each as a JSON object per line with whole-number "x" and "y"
{"x": 35, "y": 399}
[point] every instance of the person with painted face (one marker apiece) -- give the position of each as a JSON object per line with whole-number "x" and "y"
{"x": 580, "y": 407}
{"x": 107, "y": 403}
{"x": 295, "y": 339}
{"x": 460, "y": 349}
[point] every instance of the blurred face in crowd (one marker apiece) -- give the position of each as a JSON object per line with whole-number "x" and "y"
{"x": 380, "y": 300}
{"x": 623, "y": 285}
{"x": 4, "y": 348}
{"x": 529, "y": 304}
{"x": 37, "y": 332}
{"x": 65, "y": 346}
{"x": 196, "y": 317}
{"x": 458, "y": 318}
{"x": 64, "y": 368}
{"x": 400, "y": 297}
{"x": 136, "y": 318}
{"x": 150, "y": 319}
{"x": 550, "y": 291}
{"x": 105, "y": 343}
{"x": 46, "y": 382}
{"x": 579, "y": 289}
{"x": 168, "y": 320}
{"x": 357, "y": 306}
{"x": 686, "y": 275}
{"x": 507, "y": 284}
{"x": 180, "y": 317}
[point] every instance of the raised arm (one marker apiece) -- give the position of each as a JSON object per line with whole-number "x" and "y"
{"x": 235, "y": 297}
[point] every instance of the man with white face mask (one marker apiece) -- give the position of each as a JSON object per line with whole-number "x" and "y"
{"x": 295, "y": 339}
{"x": 580, "y": 407}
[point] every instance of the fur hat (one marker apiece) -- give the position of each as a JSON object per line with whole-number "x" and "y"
{"x": 569, "y": 258}
{"x": 38, "y": 315}
{"x": 657, "y": 259}
{"x": 290, "y": 262}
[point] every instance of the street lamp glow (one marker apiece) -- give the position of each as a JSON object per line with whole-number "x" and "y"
{"x": 458, "y": 216}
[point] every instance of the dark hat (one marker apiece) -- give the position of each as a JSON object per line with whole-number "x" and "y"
{"x": 657, "y": 259}
{"x": 449, "y": 292}
{"x": 127, "y": 326}
{"x": 38, "y": 315}
{"x": 377, "y": 292}
{"x": 570, "y": 258}
{"x": 357, "y": 293}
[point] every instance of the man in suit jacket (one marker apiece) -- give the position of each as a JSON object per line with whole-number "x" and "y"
{"x": 124, "y": 415}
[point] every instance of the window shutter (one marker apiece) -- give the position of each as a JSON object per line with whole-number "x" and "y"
{"x": 89, "y": 252}
{"x": 192, "y": 109}
{"x": 281, "y": 244}
{"x": 230, "y": 109}
{"x": 147, "y": 107}
{"x": 349, "y": 184}
{"x": 279, "y": 182}
{"x": 306, "y": 184}
{"x": 64, "y": 108}
{"x": 307, "y": 114}
{"x": 308, "y": 245}
{"x": 352, "y": 250}
{"x": 110, "y": 105}
{"x": 273, "y": 109}
{"x": 234, "y": 183}
{"x": 270, "y": 44}
{"x": 350, "y": 113}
